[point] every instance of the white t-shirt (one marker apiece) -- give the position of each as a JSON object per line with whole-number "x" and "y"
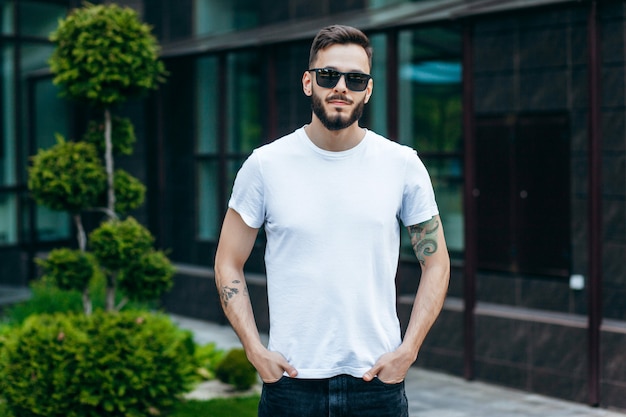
{"x": 333, "y": 237}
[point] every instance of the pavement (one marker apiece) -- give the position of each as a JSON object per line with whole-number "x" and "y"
{"x": 430, "y": 394}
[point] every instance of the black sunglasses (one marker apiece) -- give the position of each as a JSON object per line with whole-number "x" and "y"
{"x": 328, "y": 78}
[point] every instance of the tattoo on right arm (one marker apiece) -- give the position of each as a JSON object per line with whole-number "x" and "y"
{"x": 228, "y": 292}
{"x": 424, "y": 238}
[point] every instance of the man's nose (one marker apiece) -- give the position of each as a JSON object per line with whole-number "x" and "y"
{"x": 341, "y": 84}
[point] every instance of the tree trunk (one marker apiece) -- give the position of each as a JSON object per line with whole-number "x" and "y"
{"x": 110, "y": 293}
{"x": 87, "y": 305}
{"x": 82, "y": 245}
{"x": 108, "y": 156}
{"x": 80, "y": 234}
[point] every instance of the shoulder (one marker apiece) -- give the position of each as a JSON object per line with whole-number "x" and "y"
{"x": 389, "y": 147}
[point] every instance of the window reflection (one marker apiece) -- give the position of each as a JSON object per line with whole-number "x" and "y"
{"x": 219, "y": 16}
{"x": 430, "y": 118}
{"x": 6, "y": 19}
{"x": 244, "y": 102}
{"x": 8, "y": 139}
{"x": 207, "y": 106}
{"x": 376, "y": 110}
{"x": 244, "y": 131}
{"x": 39, "y": 19}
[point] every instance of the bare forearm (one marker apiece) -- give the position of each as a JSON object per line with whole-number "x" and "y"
{"x": 235, "y": 301}
{"x": 430, "y": 249}
{"x": 426, "y": 308}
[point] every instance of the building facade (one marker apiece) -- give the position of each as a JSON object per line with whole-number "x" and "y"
{"x": 517, "y": 109}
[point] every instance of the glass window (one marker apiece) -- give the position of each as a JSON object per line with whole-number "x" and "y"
{"x": 244, "y": 130}
{"x": 43, "y": 115}
{"x": 39, "y": 19}
{"x": 207, "y": 105}
{"x": 8, "y": 138}
{"x": 6, "y": 8}
{"x": 207, "y": 101}
{"x": 219, "y": 16}
{"x": 209, "y": 214}
{"x": 377, "y": 111}
{"x": 430, "y": 118}
{"x": 8, "y": 218}
{"x": 35, "y": 57}
{"x": 244, "y": 102}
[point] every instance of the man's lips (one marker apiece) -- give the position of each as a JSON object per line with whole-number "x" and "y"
{"x": 339, "y": 101}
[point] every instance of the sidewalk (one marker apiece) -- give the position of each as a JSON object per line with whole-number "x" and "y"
{"x": 433, "y": 394}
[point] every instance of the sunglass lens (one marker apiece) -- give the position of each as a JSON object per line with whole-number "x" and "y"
{"x": 356, "y": 81}
{"x": 327, "y": 78}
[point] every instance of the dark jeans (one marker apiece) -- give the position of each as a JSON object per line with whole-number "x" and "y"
{"x": 340, "y": 396}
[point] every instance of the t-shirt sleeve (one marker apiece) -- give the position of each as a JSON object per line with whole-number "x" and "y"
{"x": 248, "y": 197}
{"x": 418, "y": 198}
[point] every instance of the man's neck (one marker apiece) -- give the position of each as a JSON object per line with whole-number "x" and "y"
{"x": 334, "y": 140}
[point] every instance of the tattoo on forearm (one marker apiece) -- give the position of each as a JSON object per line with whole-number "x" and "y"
{"x": 424, "y": 238}
{"x": 227, "y": 293}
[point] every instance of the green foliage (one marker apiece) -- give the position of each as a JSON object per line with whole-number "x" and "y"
{"x": 69, "y": 176}
{"x": 235, "y": 369}
{"x": 130, "y": 364}
{"x": 104, "y": 55}
{"x": 207, "y": 357}
{"x": 118, "y": 243}
{"x": 36, "y": 361}
{"x": 122, "y": 135}
{"x": 69, "y": 269}
{"x": 147, "y": 278}
{"x": 129, "y": 191}
{"x": 46, "y": 299}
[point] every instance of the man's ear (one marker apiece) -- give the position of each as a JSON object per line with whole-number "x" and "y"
{"x": 369, "y": 90}
{"x": 307, "y": 83}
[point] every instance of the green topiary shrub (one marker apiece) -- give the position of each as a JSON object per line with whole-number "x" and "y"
{"x": 129, "y": 191}
{"x": 69, "y": 269}
{"x": 130, "y": 364}
{"x": 117, "y": 243}
{"x": 105, "y": 54}
{"x": 235, "y": 369}
{"x": 207, "y": 357}
{"x": 67, "y": 177}
{"x": 148, "y": 278}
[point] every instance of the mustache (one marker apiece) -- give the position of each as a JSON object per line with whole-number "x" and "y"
{"x": 340, "y": 97}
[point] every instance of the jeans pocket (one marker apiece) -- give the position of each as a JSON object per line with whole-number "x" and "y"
{"x": 379, "y": 381}
{"x": 276, "y": 383}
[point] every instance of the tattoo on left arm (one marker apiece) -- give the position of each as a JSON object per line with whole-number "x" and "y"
{"x": 229, "y": 292}
{"x": 424, "y": 238}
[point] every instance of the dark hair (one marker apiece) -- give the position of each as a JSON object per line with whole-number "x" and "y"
{"x": 342, "y": 35}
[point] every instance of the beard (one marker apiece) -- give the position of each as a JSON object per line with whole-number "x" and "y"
{"x": 338, "y": 121}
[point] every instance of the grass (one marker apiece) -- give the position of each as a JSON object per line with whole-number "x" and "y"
{"x": 219, "y": 407}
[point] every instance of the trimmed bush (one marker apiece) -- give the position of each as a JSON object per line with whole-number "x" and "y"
{"x": 207, "y": 357}
{"x": 104, "y": 55}
{"x": 130, "y": 364}
{"x": 130, "y": 193}
{"x": 116, "y": 243}
{"x": 235, "y": 369}
{"x": 67, "y": 177}
{"x": 69, "y": 269}
{"x": 148, "y": 278}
